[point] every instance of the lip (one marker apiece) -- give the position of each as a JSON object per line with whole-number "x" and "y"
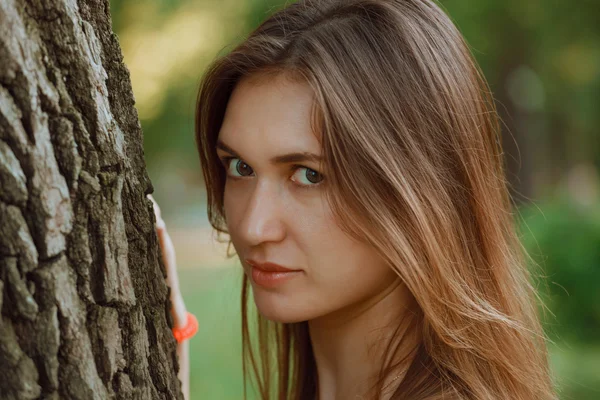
{"x": 269, "y": 266}
{"x": 270, "y": 275}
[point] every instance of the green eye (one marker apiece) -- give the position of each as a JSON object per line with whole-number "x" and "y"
{"x": 303, "y": 176}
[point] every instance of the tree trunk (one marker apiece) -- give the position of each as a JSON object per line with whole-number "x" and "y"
{"x": 85, "y": 311}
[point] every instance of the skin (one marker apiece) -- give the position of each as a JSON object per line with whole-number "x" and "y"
{"x": 275, "y": 212}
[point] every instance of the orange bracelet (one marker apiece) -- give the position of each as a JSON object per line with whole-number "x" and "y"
{"x": 188, "y": 331}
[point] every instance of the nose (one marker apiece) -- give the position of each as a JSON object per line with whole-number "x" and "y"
{"x": 262, "y": 221}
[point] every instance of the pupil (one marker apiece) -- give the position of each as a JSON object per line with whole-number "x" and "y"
{"x": 310, "y": 175}
{"x": 240, "y": 170}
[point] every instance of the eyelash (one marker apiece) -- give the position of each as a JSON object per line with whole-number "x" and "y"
{"x": 226, "y": 160}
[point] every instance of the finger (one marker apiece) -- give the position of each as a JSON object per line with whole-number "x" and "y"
{"x": 154, "y": 205}
{"x": 168, "y": 251}
{"x": 170, "y": 262}
{"x": 160, "y": 224}
{"x": 167, "y": 248}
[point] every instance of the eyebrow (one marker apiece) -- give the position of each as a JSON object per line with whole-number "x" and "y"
{"x": 282, "y": 159}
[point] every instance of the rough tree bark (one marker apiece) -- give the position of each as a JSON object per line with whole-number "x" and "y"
{"x": 85, "y": 311}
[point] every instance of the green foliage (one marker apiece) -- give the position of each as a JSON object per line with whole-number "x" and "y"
{"x": 565, "y": 241}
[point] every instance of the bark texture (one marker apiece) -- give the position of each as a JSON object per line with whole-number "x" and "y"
{"x": 85, "y": 311}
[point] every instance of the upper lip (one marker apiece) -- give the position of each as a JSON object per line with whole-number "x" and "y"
{"x": 269, "y": 266}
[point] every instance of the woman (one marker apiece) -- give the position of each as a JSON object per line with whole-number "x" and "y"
{"x": 351, "y": 152}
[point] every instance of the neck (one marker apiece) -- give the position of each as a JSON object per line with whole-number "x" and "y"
{"x": 350, "y": 346}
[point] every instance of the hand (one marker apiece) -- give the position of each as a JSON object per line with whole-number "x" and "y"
{"x": 178, "y": 310}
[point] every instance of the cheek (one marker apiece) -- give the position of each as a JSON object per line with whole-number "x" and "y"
{"x": 349, "y": 266}
{"x": 233, "y": 213}
{"x": 344, "y": 271}
{"x": 232, "y": 206}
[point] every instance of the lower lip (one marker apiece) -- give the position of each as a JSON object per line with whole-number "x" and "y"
{"x": 271, "y": 279}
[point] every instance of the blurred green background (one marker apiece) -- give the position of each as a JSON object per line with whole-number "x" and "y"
{"x": 542, "y": 61}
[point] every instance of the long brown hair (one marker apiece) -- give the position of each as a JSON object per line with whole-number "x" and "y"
{"x": 399, "y": 97}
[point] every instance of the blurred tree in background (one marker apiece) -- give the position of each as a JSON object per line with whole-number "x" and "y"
{"x": 542, "y": 61}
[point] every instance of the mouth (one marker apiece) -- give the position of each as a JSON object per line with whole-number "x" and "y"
{"x": 270, "y": 275}
{"x": 269, "y": 266}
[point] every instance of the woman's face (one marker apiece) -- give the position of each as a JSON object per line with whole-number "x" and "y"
{"x": 276, "y": 210}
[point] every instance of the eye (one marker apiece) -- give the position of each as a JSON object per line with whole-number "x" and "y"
{"x": 307, "y": 176}
{"x": 303, "y": 176}
{"x": 239, "y": 166}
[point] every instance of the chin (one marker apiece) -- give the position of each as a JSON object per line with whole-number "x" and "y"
{"x": 275, "y": 307}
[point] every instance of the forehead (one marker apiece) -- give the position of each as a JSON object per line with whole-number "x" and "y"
{"x": 270, "y": 114}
